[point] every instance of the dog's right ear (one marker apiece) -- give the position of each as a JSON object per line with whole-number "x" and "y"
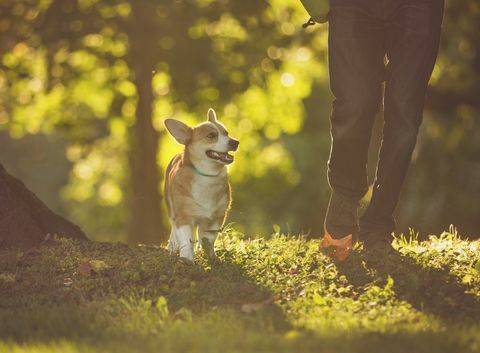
{"x": 180, "y": 131}
{"x": 212, "y": 116}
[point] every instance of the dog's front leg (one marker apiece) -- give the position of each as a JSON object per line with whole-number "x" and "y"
{"x": 207, "y": 234}
{"x": 185, "y": 241}
{"x": 173, "y": 241}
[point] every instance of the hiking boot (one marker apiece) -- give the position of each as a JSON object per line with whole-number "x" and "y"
{"x": 342, "y": 217}
{"x": 376, "y": 241}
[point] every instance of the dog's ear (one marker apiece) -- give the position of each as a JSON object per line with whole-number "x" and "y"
{"x": 212, "y": 116}
{"x": 180, "y": 131}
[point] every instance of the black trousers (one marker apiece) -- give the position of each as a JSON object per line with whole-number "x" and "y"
{"x": 371, "y": 42}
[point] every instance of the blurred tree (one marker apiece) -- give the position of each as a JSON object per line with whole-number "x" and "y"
{"x": 92, "y": 63}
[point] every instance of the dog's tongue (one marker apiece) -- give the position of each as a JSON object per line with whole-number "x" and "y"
{"x": 227, "y": 157}
{"x": 223, "y": 156}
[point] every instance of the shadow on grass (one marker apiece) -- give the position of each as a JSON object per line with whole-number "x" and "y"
{"x": 427, "y": 289}
{"x": 91, "y": 291}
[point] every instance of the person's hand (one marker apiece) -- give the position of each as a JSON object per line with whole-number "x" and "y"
{"x": 321, "y": 18}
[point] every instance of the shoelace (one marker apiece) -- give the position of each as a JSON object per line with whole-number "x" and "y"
{"x": 310, "y": 22}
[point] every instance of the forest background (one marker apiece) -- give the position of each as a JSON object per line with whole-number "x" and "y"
{"x": 85, "y": 86}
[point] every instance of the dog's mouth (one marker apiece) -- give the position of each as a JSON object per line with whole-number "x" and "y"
{"x": 223, "y": 157}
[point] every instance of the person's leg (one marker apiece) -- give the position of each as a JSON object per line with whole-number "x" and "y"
{"x": 412, "y": 46}
{"x": 356, "y": 64}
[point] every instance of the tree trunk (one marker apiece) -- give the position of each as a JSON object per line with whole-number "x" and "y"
{"x": 146, "y": 224}
{"x": 24, "y": 219}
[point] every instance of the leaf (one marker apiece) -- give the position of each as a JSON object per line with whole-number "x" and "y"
{"x": 67, "y": 282}
{"x": 7, "y": 277}
{"x": 252, "y": 307}
{"x": 477, "y": 266}
{"x": 318, "y": 299}
{"x": 276, "y": 228}
{"x": 162, "y": 307}
{"x": 292, "y": 335}
{"x": 85, "y": 269}
{"x": 91, "y": 266}
{"x": 183, "y": 314}
{"x": 98, "y": 265}
{"x": 467, "y": 279}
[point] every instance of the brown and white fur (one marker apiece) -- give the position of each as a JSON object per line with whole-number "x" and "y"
{"x": 197, "y": 190}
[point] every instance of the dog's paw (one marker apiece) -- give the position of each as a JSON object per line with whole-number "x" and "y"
{"x": 186, "y": 260}
{"x": 187, "y": 253}
{"x": 209, "y": 249}
{"x": 172, "y": 247}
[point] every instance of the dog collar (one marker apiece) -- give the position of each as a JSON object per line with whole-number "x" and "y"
{"x": 195, "y": 170}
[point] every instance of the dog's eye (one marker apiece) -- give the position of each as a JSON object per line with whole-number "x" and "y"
{"x": 212, "y": 135}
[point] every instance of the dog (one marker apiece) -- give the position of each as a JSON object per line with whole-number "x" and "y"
{"x": 197, "y": 191}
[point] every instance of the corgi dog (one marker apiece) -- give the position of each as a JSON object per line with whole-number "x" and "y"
{"x": 197, "y": 190}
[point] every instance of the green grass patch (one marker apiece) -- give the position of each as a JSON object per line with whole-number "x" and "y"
{"x": 263, "y": 295}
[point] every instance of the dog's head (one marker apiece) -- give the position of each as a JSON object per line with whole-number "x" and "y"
{"x": 208, "y": 140}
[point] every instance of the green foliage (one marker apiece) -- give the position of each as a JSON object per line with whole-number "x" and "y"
{"x": 82, "y": 83}
{"x": 277, "y": 295}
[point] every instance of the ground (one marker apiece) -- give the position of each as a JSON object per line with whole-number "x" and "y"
{"x": 279, "y": 294}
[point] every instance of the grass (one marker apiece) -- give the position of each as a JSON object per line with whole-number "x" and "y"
{"x": 263, "y": 295}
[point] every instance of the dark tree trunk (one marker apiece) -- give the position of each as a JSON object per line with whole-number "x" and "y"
{"x": 24, "y": 219}
{"x": 146, "y": 224}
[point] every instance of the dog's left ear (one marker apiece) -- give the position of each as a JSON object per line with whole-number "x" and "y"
{"x": 212, "y": 116}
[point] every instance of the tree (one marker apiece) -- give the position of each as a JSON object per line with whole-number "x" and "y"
{"x": 24, "y": 219}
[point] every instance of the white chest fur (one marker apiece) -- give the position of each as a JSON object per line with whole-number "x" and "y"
{"x": 210, "y": 196}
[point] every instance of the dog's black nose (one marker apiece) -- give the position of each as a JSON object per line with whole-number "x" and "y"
{"x": 233, "y": 144}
